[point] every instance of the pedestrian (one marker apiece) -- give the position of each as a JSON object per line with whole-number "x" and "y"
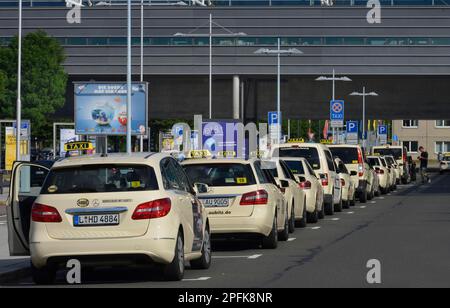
{"x": 424, "y": 165}
{"x": 440, "y": 157}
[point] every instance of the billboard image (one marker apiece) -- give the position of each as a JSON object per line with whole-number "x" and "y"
{"x": 101, "y": 108}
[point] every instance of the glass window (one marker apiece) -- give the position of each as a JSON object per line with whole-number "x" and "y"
{"x": 419, "y": 41}
{"x": 296, "y": 166}
{"x": 161, "y": 41}
{"x": 267, "y": 41}
{"x": 377, "y": 41}
{"x": 440, "y": 41}
{"x": 411, "y": 146}
{"x": 334, "y": 41}
{"x": 224, "y": 41}
{"x": 100, "y": 179}
{"x": 97, "y": 41}
{"x": 410, "y": 123}
{"x": 347, "y": 155}
{"x": 330, "y": 161}
{"x": 443, "y": 123}
{"x": 246, "y": 41}
{"x": 76, "y": 41}
{"x": 201, "y": 41}
{"x": 354, "y": 41}
{"x": 221, "y": 175}
{"x": 186, "y": 185}
{"x": 309, "y": 153}
{"x": 182, "y": 41}
{"x": 373, "y": 161}
{"x": 393, "y": 41}
{"x": 290, "y": 41}
{"x": 395, "y": 152}
{"x": 170, "y": 175}
{"x": 311, "y": 41}
{"x": 442, "y": 147}
{"x": 117, "y": 41}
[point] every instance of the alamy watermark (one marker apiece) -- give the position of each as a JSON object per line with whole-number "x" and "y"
{"x": 374, "y": 274}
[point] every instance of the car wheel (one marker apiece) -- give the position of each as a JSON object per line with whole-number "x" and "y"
{"x": 205, "y": 261}
{"x": 43, "y": 276}
{"x": 363, "y": 196}
{"x": 338, "y": 207}
{"x": 313, "y": 217}
{"x": 322, "y": 212}
{"x": 329, "y": 208}
{"x": 175, "y": 270}
{"x": 271, "y": 241}
{"x": 303, "y": 221}
{"x": 353, "y": 201}
{"x": 284, "y": 235}
{"x": 346, "y": 204}
{"x": 292, "y": 220}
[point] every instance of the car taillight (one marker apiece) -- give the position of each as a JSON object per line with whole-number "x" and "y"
{"x": 44, "y": 213}
{"x": 379, "y": 171}
{"x": 324, "y": 179}
{"x": 342, "y": 182}
{"x": 305, "y": 185}
{"x": 152, "y": 209}
{"x": 255, "y": 198}
{"x": 360, "y": 163}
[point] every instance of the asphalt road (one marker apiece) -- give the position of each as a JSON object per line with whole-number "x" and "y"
{"x": 407, "y": 231}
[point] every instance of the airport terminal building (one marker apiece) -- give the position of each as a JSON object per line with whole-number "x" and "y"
{"x": 405, "y": 58}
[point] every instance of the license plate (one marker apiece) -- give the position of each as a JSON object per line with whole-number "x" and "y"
{"x": 96, "y": 220}
{"x": 216, "y": 202}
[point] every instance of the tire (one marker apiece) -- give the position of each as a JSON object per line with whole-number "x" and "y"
{"x": 329, "y": 208}
{"x": 346, "y": 204}
{"x": 312, "y": 218}
{"x": 205, "y": 261}
{"x": 303, "y": 221}
{"x": 370, "y": 195}
{"x": 363, "y": 196}
{"x": 338, "y": 207}
{"x": 353, "y": 201}
{"x": 322, "y": 212}
{"x": 271, "y": 241}
{"x": 378, "y": 192}
{"x": 284, "y": 235}
{"x": 43, "y": 276}
{"x": 292, "y": 220}
{"x": 175, "y": 270}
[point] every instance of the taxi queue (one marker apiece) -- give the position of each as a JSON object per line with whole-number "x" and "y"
{"x": 152, "y": 209}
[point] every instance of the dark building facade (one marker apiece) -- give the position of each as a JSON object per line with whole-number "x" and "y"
{"x": 405, "y": 58}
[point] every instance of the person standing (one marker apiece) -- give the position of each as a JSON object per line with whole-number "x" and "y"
{"x": 424, "y": 165}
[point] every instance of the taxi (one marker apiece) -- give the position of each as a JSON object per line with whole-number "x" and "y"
{"x": 382, "y": 171}
{"x": 348, "y": 188}
{"x": 310, "y": 184}
{"x": 293, "y": 193}
{"x": 138, "y": 208}
{"x": 321, "y": 160}
{"x": 444, "y": 164}
{"x": 242, "y": 199}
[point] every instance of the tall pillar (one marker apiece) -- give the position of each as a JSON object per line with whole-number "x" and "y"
{"x": 236, "y": 98}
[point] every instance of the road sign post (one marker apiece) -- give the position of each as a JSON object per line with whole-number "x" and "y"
{"x": 352, "y": 132}
{"x": 274, "y": 120}
{"x": 382, "y": 134}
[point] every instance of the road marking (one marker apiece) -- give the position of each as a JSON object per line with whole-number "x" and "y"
{"x": 314, "y": 228}
{"x": 333, "y": 219}
{"x": 362, "y": 207}
{"x": 2, "y": 223}
{"x": 2, "y": 215}
{"x": 381, "y": 198}
{"x": 252, "y": 257}
{"x": 291, "y": 239}
{"x": 350, "y": 213}
{"x": 197, "y": 279}
{"x": 373, "y": 202}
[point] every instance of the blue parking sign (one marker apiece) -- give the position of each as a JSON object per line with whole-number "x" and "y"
{"x": 382, "y": 130}
{"x": 273, "y": 118}
{"x": 352, "y": 127}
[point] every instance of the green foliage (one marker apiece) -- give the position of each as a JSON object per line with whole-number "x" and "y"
{"x": 43, "y": 81}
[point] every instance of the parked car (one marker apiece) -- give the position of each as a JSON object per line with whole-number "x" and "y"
{"x": 399, "y": 153}
{"x": 348, "y": 188}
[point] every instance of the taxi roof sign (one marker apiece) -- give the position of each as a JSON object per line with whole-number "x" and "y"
{"x": 78, "y": 146}
{"x": 296, "y": 140}
{"x": 325, "y": 141}
{"x": 226, "y": 154}
{"x": 199, "y": 154}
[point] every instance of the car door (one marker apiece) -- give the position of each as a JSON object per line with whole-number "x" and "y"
{"x": 27, "y": 180}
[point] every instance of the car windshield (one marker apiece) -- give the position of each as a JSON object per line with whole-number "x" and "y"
{"x": 100, "y": 179}
{"x": 310, "y": 153}
{"x": 390, "y": 161}
{"x": 373, "y": 161}
{"x": 218, "y": 175}
{"x": 296, "y": 166}
{"x": 347, "y": 155}
{"x": 396, "y": 153}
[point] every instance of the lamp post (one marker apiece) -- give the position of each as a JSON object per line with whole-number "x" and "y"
{"x": 278, "y": 52}
{"x": 364, "y": 94}
{"x": 333, "y": 78}
{"x": 19, "y": 80}
{"x": 210, "y": 35}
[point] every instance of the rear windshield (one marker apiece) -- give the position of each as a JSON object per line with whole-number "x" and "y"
{"x": 390, "y": 161}
{"x": 218, "y": 175}
{"x": 311, "y": 154}
{"x": 347, "y": 155}
{"x": 100, "y": 179}
{"x": 295, "y": 166}
{"x": 397, "y": 153}
{"x": 446, "y": 158}
{"x": 373, "y": 162}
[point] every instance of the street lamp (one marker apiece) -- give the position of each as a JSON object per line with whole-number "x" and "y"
{"x": 333, "y": 78}
{"x": 210, "y": 35}
{"x": 278, "y": 52}
{"x": 19, "y": 80}
{"x": 364, "y": 94}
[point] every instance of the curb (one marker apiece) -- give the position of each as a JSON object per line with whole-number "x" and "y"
{"x": 13, "y": 275}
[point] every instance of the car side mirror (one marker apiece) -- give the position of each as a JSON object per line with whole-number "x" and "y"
{"x": 353, "y": 173}
{"x": 284, "y": 184}
{"x": 201, "y": 188}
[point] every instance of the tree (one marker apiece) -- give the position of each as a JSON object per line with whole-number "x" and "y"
{"x": 43, "y": 81}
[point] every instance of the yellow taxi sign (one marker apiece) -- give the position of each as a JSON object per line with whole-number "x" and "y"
{"x": 78, "y": 146}
{"x": 326, "y": 141}
{"x": 226, "y": 154}
{"x": 257, "y": 154}
{"x": 296, "y": 140}
{"x": 199, "y": 154}
{"x": 446, "y": 154}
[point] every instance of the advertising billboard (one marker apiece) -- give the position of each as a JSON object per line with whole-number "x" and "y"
{"x": 101, "y": 108}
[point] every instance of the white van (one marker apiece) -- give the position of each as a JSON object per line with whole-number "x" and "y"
{"x": 321, "y": 160}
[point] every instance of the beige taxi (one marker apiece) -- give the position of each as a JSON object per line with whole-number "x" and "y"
{"x": 103, "y": 210}
{"x": 242, "y": 199}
